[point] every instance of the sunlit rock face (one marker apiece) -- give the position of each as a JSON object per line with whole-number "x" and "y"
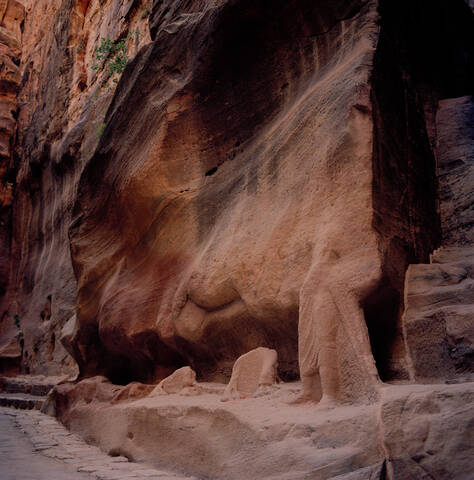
{"x": 292, "y": 177}
{"x": 235, "y": 171}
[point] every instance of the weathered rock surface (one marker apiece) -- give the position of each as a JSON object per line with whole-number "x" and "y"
{"x": 439, "y": 316}
{"x": 62, "y": 102}
{"x": 11, "y": 17}
{"x": 403, "y": 435}
{"x": 181, "y": 381}
{"x": 33, "y": 446}
{"x": 455, "y": 165}
{"x": 253, "y": 370}
{"x": 415, "y": 423}
{"x": 211, "y": 160}
{"x": 202, "y": 136}
{"x": 439, "y": 297}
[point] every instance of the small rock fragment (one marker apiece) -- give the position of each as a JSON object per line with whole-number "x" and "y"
{"x": 182, "y": 381}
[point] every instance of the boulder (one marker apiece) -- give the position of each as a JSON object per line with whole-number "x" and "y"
{"x": 182, "y": 381}
{"x": 253, "y": 370}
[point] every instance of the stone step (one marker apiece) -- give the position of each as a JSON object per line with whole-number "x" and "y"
{"x": 439, "y": 313}
{"x": 26, "y": 385}
{"x": 21, "y": 401}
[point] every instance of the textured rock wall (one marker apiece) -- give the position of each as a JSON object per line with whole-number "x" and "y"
{"x": 11, "y": 21}
{"x": 222, "y": 259}
{"x": 412, "y": 432}
{"x": 439, "y": 299}
{"x": 261, "y": 174}
{"x": 259, "y": 167}
{"x": 227, "y": 119}
{"x": 61, "y": 106}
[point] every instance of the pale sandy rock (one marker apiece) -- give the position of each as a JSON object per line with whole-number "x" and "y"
{"x": 232, "y": 260}
{"x": 262, "y": 174}
{"x": 182, "y": 381}
{"x": 132, "y": 391}
{"x": 252, "y": 371}
{"x": 412, "y": 431}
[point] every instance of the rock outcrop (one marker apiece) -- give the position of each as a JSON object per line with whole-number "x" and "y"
{"x": 439, "y": 297}
{"x": 61, "y": 104}
{"x": 439, "y": 316}
{"x": 193, "y": 250}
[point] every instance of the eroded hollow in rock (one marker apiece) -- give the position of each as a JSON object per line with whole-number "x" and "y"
{"x": 381, "y": 310}
{"x": 151, "y": 359}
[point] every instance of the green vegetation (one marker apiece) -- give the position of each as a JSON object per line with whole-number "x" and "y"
{"x": 100, "y": 130}
{"x": 113, "y": 55}
{"x": 145, "y": 12}
{"x": 86, "y": 154}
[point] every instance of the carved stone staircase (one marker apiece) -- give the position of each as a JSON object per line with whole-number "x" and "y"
{"x": 24, "y": 392}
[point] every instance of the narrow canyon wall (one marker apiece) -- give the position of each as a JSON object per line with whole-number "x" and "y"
{"x": 257, "y": 167}
{"x": 62, "y": 102}
{"x": 11, "y": 24}
{"x": 184, "y": 181}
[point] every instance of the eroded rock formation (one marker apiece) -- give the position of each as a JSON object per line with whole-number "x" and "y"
{"x": 11, "y": 19}
{"x": 182, "y": 381}
{"x": 253, "y": 371}
{"x": 185, "y": 181}
{"x": 62, "y": 102}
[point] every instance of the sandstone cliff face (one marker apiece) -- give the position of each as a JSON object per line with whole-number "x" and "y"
{"x": 254, "y": 157}
{"x": 260, "y": 174}
{"x": 59, "y": 120}
{"x": 11, "y": 20}
{"x": 215, "y": 263}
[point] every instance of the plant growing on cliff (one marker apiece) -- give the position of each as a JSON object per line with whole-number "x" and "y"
{"x": 100, "y": 130}
{"x": 113, "y": 55}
